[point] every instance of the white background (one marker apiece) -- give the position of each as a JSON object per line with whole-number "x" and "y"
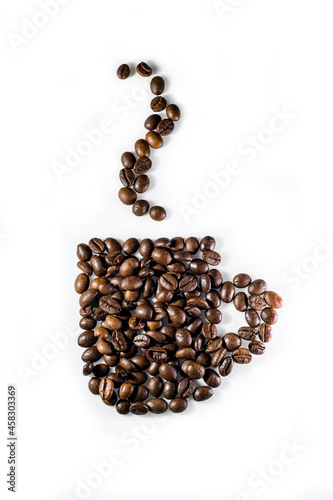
{"x": 230, "y": 68}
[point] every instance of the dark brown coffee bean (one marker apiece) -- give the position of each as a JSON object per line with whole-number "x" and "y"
{"x": 86, "y": 312}
{"x": 162, "y": 256}
{"x": 127, "y": 196}
{"x": 154, "y": 139}
{"x": 131, "y": 283}
{"x": 157, "y": 354}
{"x": 101, "y": 370}
{"x": 211, "y": 257}
{"x": 227, "y": 292}
{"x": 142, "y": 148}
{"x": 247, "y": 333}
{"x": 273, "y": 300}
{"x": 93, "y": 385}
{"x": 240, "y": 301}
{"x": 109, "y": 305}
{"x": 203, "y": 393}
{"x": 192, "y": 245}
{"x": 256, "y": 302}
{"x": 139, "y": 408}
{"x": 104, "y": 347}
{"x": 131, "y": 246}
{"x": 188, "y": 283}
{"x": 214, "y": 315}
{"x": 185, "y": 353}
{"x": 183, "y": 338}
{"x": 140, "y": 394}
{"x": 88, "y": 368}
{"x": 87, "y": 323}
{"x": 119, "y": 341}
{"x": 97, "y": 245}
{"x": 209, "y": 330}
{"x": 213, "y": 345}
{"x": 242, "y": 356}
{"x": 199, "y": 267}
{"x": 143, "y": 69}
{"x": 168, "y": 281}
{"x": 157, "y": 85}
{"x": 128, "y": 160}
{"x": 265, "y": 332}
{"x": 257, "y": 347}
{"x": 232, "y": 341}
{"x": 81, "y": 283}
{"x": 178, "y": 405}
{"x": 155, "y": 386}
{"x": 158, "y": 104}
{"x": 83, "y": 252}
{"x": 142, "y": 165}
{"x": 165, "y": 127}
{"x": 205, "y": 283}
{"x": 168, "y": 372}
{"x": 213, "y": 298}
{"x": 123, "y": 71}
{"x": 157, "y": 213}
{"x": 212, "y": 378}
{"x": 91, "y": 354}
{"x": 86, "y": 339}
{"x": 112, "y": 360}
{"x": 241, "y": 280}
{"x": 258, "y": 287}
{"x": 207, "y": 243}
{"x": 88, "y": 297}
{"x": 140, "y": 207}
{"x": 152, "y": 122}
{"x": 122, "y": 407}
{"x": 85, "y": 267}
{"x": 252, "y": 318}
{"x": 193, "y": 369}
{"x": 226, "y": 366}
{"x": 268, "y": 315}
{"x": 170, "y": 390}
{"x": 126, "y": 177}
{"x": 173, "y": 112}
{"x": 218, "y": 356}
{"x": 157, "y": 405}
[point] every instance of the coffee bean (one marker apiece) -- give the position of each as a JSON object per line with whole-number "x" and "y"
{"x": 212, "y": 258}
{"x": 106, "y": 388}
{"x": 170, "y": 390}
{"x": 112, "y": 245}
{"x": 157, "y": 354}
{"x": 268, "y": 315}
{"x": 141, "y": 183}
{"x": 123, "y": 71}
{"x": 247, "y": 333}
{"x": 127, "y": 196}
{"x": 88, "y": 368}
{"x": 154, "y": 139}
{"x": 81, "y": 283}
{"x": 241, "y": 280}
{"x": 257, "y": 347}
{"x": 86, "y": 339}
{"x": 97, "y": 245}
{"x": 144, "y": 69}
{"x": 240, "y": 301}
{"x": 203, "y": 393}
{"x": 209, "y": 331}
{"x": 157, "y": 405}
{"x": 173, "y": 112}
{"x": 252, "y": 318}
{"x": 139, "y": 408}
{"x": 155, "y": 385}
{"x": 93, "y": 385}
{"x": 265, "y": 332}
{"x": 128, "y": 160}
{"x": 140, "y": 207}
{"x": 242, "y": 356}
{"x": 88, "y": 297}
{"x": 258, "y": 287}
{"x": 142, "y": 148}
{"x": 109, "y": 305}
{"x": 217, "y": 356}
{"x": 152, "y": 122}
{"x": 142, "y": 165}
{"x": 157, "y": 85}
{"x": 85, "y": 267}
{"x": 215, "y": 278}
{"x": 168, "y": 372}
{"x": 214, "y": 315}
{"x": 273, "y": 300}
{"x": 125, "y": 390}
{"x": 119, "y": 341}
{"x": 158, "y": 104}
{"x": 127, "y": 177}
{"x": 168, "y": 281}
{"x": 256, "y": 302}
{"x": 226, "y": 366}
{"x": 207, "y": 243}
{"x": 227, "y": 292}
{"x": 101, "y": 370}
{"x": 91, "y": 354}
{"x": 104, "y": 347}
{"x": 161, "y": 256}
{"x": 131, "y": 246}
{"x": 165, "y": 127}
{"x": 122, "y": 407}
{"x": 232, "y": 341}
{"x": 83, "y": 252}
{"x": 178, "y": 405}
{"x": 193, "y": 369}
{"x": 199, "y": 267}
{"x": 212, "y": 378}
{"x": 213, "y": 299}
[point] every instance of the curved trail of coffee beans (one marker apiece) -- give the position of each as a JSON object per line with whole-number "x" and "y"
{"x": 150, "y": 312}
{"x": 133, "y": 176}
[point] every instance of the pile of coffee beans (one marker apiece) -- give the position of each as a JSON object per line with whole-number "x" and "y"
{"x": 150, "y": 312}
{"x": 133, "y": 176}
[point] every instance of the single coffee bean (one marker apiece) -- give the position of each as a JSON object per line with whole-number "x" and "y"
{"x": 214, "y": 315}
{"x": 139, "y": 408}
{"x": 257, "y": 347}
{"x": 185, "y": 353}
{"x": 88, "y": 368}
{"x": 213, "y": 345}
{"x": 109, "y": 305}
{"x": 273, "y": 300}
{"x": 142, "y": 165}
{"x": 142, "y": 148}
{"x": 198, "y": 267}
{"x": 88, "y": 297}
{"x": 85, "y": 267}
{"x": 205, "y": 283}
{"x": 215, "y": 277}
{"x": 157, "y": 405}
{"x": 131, "y": 246}
{"x": 212, "y": 378}
{"x": 165, "y": 127}
{"x": 217, "y": 356}
{"x": 256, "y": 302}
{"x": 112, "y": 245}
{"x": 119, "y": 341}
{"x": 207, "y": 243}
{"x": 152, "y": 122}
{"x": 127, "y": 177}
{"x": 226, "y": 366}
{"x": 232, "y": 341}
{"x": 123, "y": 71}
{"x": 212, "y": 258}
{"x": 240, "y": 301}
{"x": 125, "y": 390}
{"x": 141, "y": 183}
{"x": 143, "y": 69}
{"x": 101, "y": 370}
{"x": 86, "y": 339}
{"x": 91, "y": 354}
{"x": 247, "y": 333}
{"x": 258, "y": 287}
{"x": 252, "y": 318}
{"x": 122, "y": 407}
{"x": 128, "y": 160}
{"x": 203, "y": 393}
{"x": 127, "y": 196}
{"x": 140, "y": 207}
{"x": 268, "y": 315}
{"x": 209, "y": 330}
{"x": 265, "y": 332}
{"x": 227, "y": 292}
{"x": 241, "y": 280}
{"x": 193, "y": 369}
{"x": 83, "y": 252}
{"x": 188, "y": 283}
{"x": 93, "y": 385}
{"x": 154, "y": 139}
{"x": 168, "y": 372}
{"x": 81, "y": 283}
{"x": 173, "y": 112}
{"x": 213, "y": 298}
{"x": 87, "y": 323}
{"x": 158, "y": 104}
{"x": 157, "y": 85}
{"x": 186, "y": 387}
{"x": 178, "y": 405}
{"x": 155, "y": 386}
{"x": 97, "y": 245}
{"x": 104, "y": 347}
{"x": 170, "y": 390}
{"x": 183, "y": 337}
{"x": 157, "y": 354}
{"x": 242, "y": 356}
{"x": 129, "y": 267}
{"x": 162, "y": 256}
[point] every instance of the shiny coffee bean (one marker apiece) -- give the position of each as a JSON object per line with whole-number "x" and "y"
{"x": 127, "y": 177}
{"x": 157, "y": 213}
{"x": 203, "y": 393}
{"x": 143, "y": 69}
{"x": 165, "y": 127}
{"x": 173, "y": 112}
{"x": 158, "y": 104}
{"x": 242, "y": 356}
{"x": 252, "y": 318}
{"x": 157, "y": 85}
{"x": 152, "y": 122}
{"x": 127, "y": 196}
{"x": 257, "y": 347}
{"x": 157, "y": 405}
{"x": 123, "y": 71}
{"x": 140, "y": 207}
{"x": 273, "y": 300}
{"x": 241, "y": 280}
{"x": 154, "y": 139}
{"x": 81, "y": 283}
{"x": 178, "y": 405}
{"x": 269, "y": 316}
{"x": 240, "y": 301}
{"x": 258, "y": 287}
{"x": 226, "y": 366}
{"x": 227, "y": 292}
{"x": 232, "y": 341}
{"x": 128, "y": 160}
{"x": 142, "y": 165}
{"x": 265, "y": 332}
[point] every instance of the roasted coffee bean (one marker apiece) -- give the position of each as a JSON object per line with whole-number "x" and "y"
{"x": 209, "y": 330}
{"x": 183, "y": 337}
{"x": 227, "y": 292}
{"x": 183, "y": 256}
{"x": 131, "y": 246}
{"x": 139, "y": 408}
{"x": 226, "y": 366}
{"x": 241, "y": 280}
{"x": 247, "y": 333}
{"x": 218, "y": 356}
{"x": 97, "y": 245}
{"x": 258, "y": 287}
{"x": 140, "y": 207}
{"x": 119, "y": 341}
{"x": 188, "y": 283}
{"x": 142, "y": 148}
{"x": 128, "y": 160}
{"x": 268, "y": 315}
{"x": 88, "y": 297}
{"x": 127, "y": 196}
{"x": 205, "y": 283}
{"x": 101, "y": 370}
{"x": 232, "y": 341}
{"x": 93, "y": 385}
{"x": 109, "y": 305}
{"x": 129, "y": 267}
{"x": 177, "y": 244}
{"x": 186, "y": 387}
{"x": 265, "y": 332}
{"x": 131, "y": 283}
{"x": 207, "y": 243}
{"x": 122, "y": 407}
{"x": 88, "y": 368}
{"x": 91, "y": 354}
{"x": 154, "y": 139}
{"x": 193, "y": 369}
{"x": 86, "y": 339}
{"x": 213, "y": 345}
{"x": 142, "y": 165}
{"x": 212, "y": 378}
{"x": 199, "y": 267}
{"x": 215, "y": 277}
{"x": 242, "y": 356}
{"x": 155, "y": 386}
{"x": 257, "y": 347}
{"x": 143, "y": 69}
{"x": 83, "y": 252}
{"x": 256, "y": 302}
{"x": 168, "y": 372}
{"x": 157, "y": 354}
{"x": 211, "y": 257}
{"x": 165, "y": 127}
{"x": 177, "y": 316}
{"x": 178, "y": 405}
{"x": 104, "y": 347}
{"x": 273, "y": 300}
{"x": 168, "y": 281}
{"x": 240, "y": 301}
{"x": 158, "y": 104}
{"x": 202, "y": 393}
{"x": 185, "y": 353}
{"x": 87, "y": 323}
{"x": 214, "y": 315}
{"x": 123, "y": 71}
{"x": 252, "y": 318}
{"x": 162, "y": 256}
{"x": 173, "y": 112}
{"x": 213, "y": 298}
{"x": 157, "y": 405}
{"x": 112, "y": 360}
{"x": 126, "y": 177}
{"x": 86, "y": 312}
{"x": 157, "y": 213}
{"x": 85, "y": 267}
{"x": 170, "y": 389}
{"x": 81, "y": 283}
{"x": 152, "y": 122}
{"x": 157, "y": 85}
{"x": 125, "y": 390}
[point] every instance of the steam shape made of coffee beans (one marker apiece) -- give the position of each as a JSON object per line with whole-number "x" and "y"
{"x": 133, "y": 176}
